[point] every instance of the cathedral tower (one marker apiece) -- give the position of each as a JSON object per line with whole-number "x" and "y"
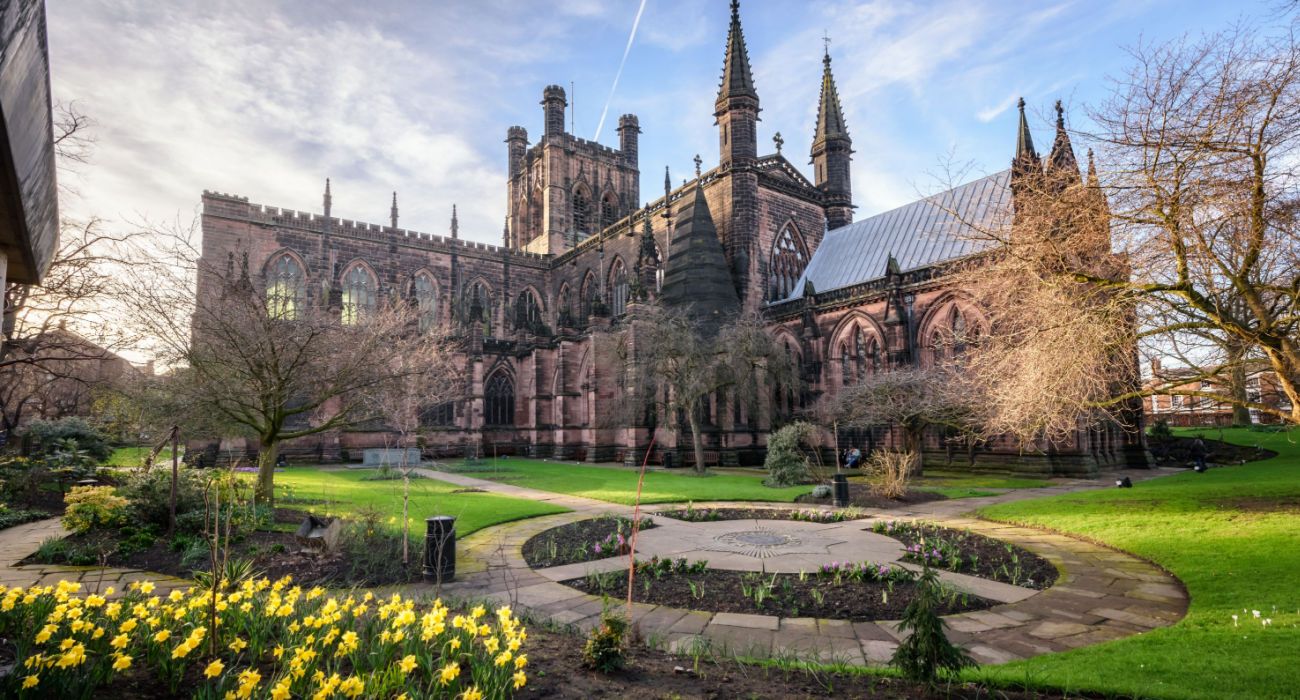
{"x": 832, "y": 151}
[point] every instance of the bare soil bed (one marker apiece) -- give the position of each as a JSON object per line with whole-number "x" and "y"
{"x": 972, "y": 554}
{"x": 812, "y": 515}
{"x": 789, "y": 595}
{"x": 860, "y": 496}
{"x": 585, "y": 540}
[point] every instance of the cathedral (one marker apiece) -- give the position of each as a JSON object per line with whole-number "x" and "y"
{"x": 751, "y": 233}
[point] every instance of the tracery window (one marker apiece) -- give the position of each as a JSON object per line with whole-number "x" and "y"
{"x": 581, "y": 213}
{"x": 588, "y": 297}
{"x": 618, "y": 288}
{"x": 438, "y": 415}
{"x": 359, "y": 294}
{"x": 860, "y": 353}
{"x": 478, "y": 307}
{"x": 285, "y": 288}
{"x": 845, "y": 372}
{"x": 528, "y": 313}
{"x": 788, "y": 262}
{"x": 608, "y": 211}
{"x": 564, "y": 313}
{"x": 426, "y": 300}
{"x": 499, "y": 400}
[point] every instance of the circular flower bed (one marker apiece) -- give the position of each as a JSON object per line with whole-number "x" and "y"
{"x": 965, "y": 552}
{"x": 585, "y": 540}
{"x": 842, "y": 591}
{"x": 812, "y": 515}
{"x": 260, "y": 639}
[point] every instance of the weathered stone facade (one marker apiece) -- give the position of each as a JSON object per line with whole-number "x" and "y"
{"x": 575, "y": 247}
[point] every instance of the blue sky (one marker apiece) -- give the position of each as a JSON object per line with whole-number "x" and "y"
{"x": 266, "y": 99}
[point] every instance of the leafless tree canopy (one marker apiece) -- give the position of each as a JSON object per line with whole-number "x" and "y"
{"x": 1183, "y": 243}
{"x": 670, "y": 365}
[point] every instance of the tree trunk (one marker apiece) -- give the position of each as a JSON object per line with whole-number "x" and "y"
{"x": 1237, "y": 385}
{"x": 697, "y": 440}
{"x": 912, "y": 442}
{"x": 264, "y": 494}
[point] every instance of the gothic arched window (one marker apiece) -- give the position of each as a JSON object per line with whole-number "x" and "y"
{"x": 478, "y": 307}
{"x": 426, "y": 300}
{"x": 873, "y": 355}
{"x": 499, "y": 400}
{"x": 845, "y": 373}
{"x": 860, "y": 353}
{"x": 588, "y": 297}
{"x": 359, "y": 294}
{"x": 564, "y": 312}
{"x": 528, "y": 313}
{"x": 788, "y": 262}
{"x": 608, "y": 210}
{"x": 581, "y": 213}
{"x": 285, "y": 287}
{"x": 957, "y": 321}
{"x": 618, "y": 288}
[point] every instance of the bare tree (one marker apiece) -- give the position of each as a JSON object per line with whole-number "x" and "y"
{"x": 671, "y": 363}
{"x": 280, "y": 371}
{"x": 401, "y": 405}
{"x": 913, "y": 399}
{"x": 1182, "y": 243}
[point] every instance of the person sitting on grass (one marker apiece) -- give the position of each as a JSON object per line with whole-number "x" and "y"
{"x": 854, "y": 457}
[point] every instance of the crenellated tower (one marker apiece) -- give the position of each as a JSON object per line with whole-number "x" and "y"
{"x": 832, "y": 152}
{"x": 564, "y": 188}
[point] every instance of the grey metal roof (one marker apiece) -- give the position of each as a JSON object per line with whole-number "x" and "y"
{"x": 919, "y": 234}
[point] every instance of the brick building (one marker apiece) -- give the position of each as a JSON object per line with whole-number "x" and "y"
{"x": 751, "y": 233}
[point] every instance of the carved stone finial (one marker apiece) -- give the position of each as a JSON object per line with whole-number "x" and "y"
{"x": 698, "y": 161}
{"x": 776, "y": 138}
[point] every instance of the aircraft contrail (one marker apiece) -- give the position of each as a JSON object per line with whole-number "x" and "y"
{"x": 626, "y": 50}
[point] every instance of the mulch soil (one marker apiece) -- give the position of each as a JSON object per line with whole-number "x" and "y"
{"x": 860, "y": 496}
{"x": 572, "y": 543}
{"x": 994, "y": 559}
{"x": 556, "y": 670}
{"x": 723, "y": 591}
{"x": 696, "y": 515}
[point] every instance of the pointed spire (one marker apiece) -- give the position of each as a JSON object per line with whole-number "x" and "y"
{"x": 830, "y": 117}
{"x": 668, "y": 184}
{"x": 455, "y": 223}
{"x": 392, "y": 213}
{"x": 1092, "y": 171}
{"x": 505, "y": 232}
{"x": 1024, "y": 140}
{"x": 1061, "y": 163}
{"x": 697, "y": 274}
{"x": 737, "y": 79}
{"x": 327, "y": 201}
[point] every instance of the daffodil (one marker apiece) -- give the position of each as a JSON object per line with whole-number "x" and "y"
{"x": 520, "y": 679}
{"x": 162, "y": 636}
{"x": 472, "y": 694}
{"x": 214, "y": 669}
{"x": 30, "y": 681}
{"x": 123, "y": 662}
{"x": 408, "y": 663}
{"x": 448, "y": 673}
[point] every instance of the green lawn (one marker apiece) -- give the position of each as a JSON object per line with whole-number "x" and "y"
{"x": 134, "y": 456}
{"x": 961, "y": 485}
{"x": 617, "y": 485}
{"x": 1233, "y": 536}
{"x": 345, "y": 493}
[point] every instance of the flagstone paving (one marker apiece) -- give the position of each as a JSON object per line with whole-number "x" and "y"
{"x": 1100, "y": 595}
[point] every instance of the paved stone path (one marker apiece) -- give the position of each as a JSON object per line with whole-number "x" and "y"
{"x": 1100, "y": 595}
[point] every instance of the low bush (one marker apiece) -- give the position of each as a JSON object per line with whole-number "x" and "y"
{"x": 606, "y": 648}
{"x": 10, "y": 517}
{"x": 50, "y": 436}
{"x": 926, "y": 652}
{"x": 150, "y": 497}
{"x": 788, "y": 462}
{"x": 888, "y": 473}
{"x": 90, "y": 507}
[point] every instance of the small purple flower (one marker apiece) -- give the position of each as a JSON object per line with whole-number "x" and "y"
{"x": 597, "y": 548}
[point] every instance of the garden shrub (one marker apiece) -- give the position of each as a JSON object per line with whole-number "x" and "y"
{"x": 1160, "y": 429}
{"x": 926, "y": 652}
{"x": 787, "y": 460}
{"x": 93, "y": 506}
{"x": 49, "y": 436}
{"x": 9, "y": 517}
{"x": 888, "y": 473}
{"x": 150, "y": 497}
{"x": 606, "y": 648}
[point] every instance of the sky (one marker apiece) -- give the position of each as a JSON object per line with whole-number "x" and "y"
{"x": 267, "y": 98}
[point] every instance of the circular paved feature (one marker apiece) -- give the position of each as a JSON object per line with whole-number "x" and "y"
{"x": 760, "y": 544}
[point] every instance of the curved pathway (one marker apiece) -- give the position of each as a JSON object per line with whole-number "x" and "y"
{"x": 1100, "y": 595}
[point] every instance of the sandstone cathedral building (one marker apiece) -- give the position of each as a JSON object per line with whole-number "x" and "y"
{"x": 750, "y": 234}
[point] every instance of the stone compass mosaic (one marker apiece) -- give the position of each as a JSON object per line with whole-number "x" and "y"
{"x": 764, "y": 543}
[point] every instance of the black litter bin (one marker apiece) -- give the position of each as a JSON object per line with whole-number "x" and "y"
{"x": 440, "y": 548}
{"x": 840, "y": 490}
{"x": 668, "y": 460}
